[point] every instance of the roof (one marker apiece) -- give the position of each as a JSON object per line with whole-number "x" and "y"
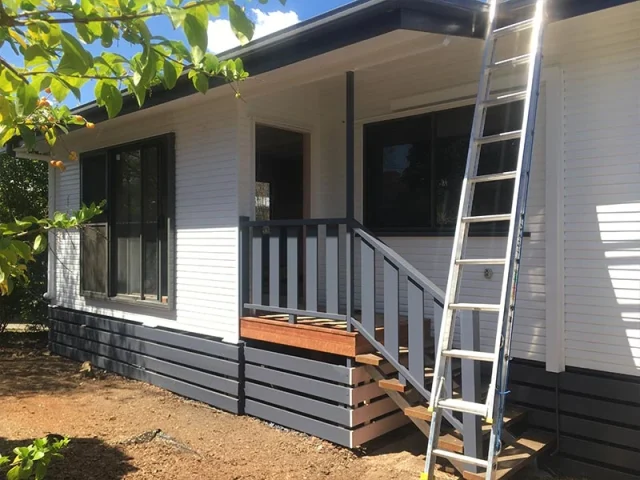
{"x": 347, "y": 25}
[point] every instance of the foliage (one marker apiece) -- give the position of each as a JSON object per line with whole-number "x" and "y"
{"x": 24, "y": 238}
{"x": 32, "y": 462}
{"x": 23, "y": 192}
{"x": 57, "y": 62}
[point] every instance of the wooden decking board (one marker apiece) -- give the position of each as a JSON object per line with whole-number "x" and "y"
{"x": 516, "y": 457}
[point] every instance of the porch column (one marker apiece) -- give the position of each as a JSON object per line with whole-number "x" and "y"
{"x": 350, "y": 154}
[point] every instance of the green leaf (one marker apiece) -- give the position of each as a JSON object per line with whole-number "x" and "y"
{"x": 138, "y": 91}
{"x": 40, "y": 243}
{"x": 107, "y": 94}
{"x": 6, "y": 134}
{"x": 26, "y": 99}
{"x": 211, "y": 63}
{"x": 75, "y": 58}
{"x": 38, "y": 455}
{"x": 195, "y": 27}
{"x": 9, "y": 81}
{"x": 201, "y": 82}
{"x": 177, "y": 16}
{"x": 240, "y": 24}
{"x": 14, "y": 473}
{"x": 50, "y": 136}
{"x": 28, "y": 135}
{"x": 171, "y": 71}
{"x": 107, "y": 36}
{"x": 41, "y": 471}
{"x": 213, "y": 9}
{"x": 22, "y": 249}
{"x": 7, "y": 110}
{"x": 35, "y": 55}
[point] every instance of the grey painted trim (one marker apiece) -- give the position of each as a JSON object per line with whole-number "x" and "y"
{"x": 176, "y": 355}
{"x": 333, "y": 433}
{"x": 415, "y": 307}
{"x": 368, "y": 285}
{"x": 311, "y": 264}
{"x": 147, "y": 363}
{"x": 350, "y": 143}
{"x": 391, "y": 308}
{"x": 332, "y": 267}
{"x": 296, "y": 222}
{"x": 196, "y": 343}
{"x": 274, "y": 266}
{"x": 312, "y": 368}
{"x": 293, "y": 311}
{"x": 256, "y": 265}
{"x": 244, "y": 266}
{"x": 291, "y": 401}
{"x": 191, "y": 391}
{"x": 292, "y": 266}
{"x": 297, "y": 383}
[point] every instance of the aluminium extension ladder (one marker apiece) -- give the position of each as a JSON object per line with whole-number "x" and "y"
{"x": 487, "y": 97}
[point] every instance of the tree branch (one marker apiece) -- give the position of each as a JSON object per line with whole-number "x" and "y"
{"x": 13, "y": 70}
{"x": 88, "y": 77}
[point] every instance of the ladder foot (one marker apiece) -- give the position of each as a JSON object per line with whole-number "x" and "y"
{"x": 424, "y": 476}
{"x": 488, "y": 421}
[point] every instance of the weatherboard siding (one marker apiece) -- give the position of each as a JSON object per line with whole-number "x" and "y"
{"x": 206, "y": 215}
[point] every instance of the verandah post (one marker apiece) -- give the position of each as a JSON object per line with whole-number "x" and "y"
{"x": 350, "y": 178}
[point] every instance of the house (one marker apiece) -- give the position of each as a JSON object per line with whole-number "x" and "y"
{"x": 257, "y": 253}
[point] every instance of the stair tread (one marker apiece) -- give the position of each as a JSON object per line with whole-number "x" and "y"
{"x": 418, "y": 411}
{"x": 370, "y": 359}
{"x": 393, "y": 384}
{"x": 516, "y": 457}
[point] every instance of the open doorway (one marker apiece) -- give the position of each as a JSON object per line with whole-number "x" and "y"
{"x": 280, "y": 173}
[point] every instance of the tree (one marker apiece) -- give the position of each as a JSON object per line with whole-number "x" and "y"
{"x": 53, "y": 38}
{"x": 23, "y": 192}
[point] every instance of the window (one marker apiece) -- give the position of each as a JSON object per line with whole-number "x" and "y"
{"x": 414, "y": 166}
{"x": 126, "y": 250}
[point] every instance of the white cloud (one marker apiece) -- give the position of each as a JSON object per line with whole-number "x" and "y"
{"x": 221, "y": 38}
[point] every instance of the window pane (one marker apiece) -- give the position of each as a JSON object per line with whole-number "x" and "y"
{"x": 151, "y": 212}
{"x": 94, "y": 182}
{"x": 94, "y": 258}
{"x": 127, "y": 231}
{"x": 453, "y": 131}
{"x": 398, "y": 177}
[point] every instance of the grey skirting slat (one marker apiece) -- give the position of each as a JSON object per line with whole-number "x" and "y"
{"x": 308, "y": 386}
{"x": 176, "y": 355}
{"x": 213, "y": 382}
{"x": 312, "y": 368}
{"x": 333, "y": 433}
{"x": 198, "y": 343}
{"x": 290, "y": 401}
{"x": 578, "y": 469}
{"x": 209, "y": 397}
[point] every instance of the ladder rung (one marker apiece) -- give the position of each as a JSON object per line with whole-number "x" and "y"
{"x": 469, "y": 355}
{"x": 513, "y": 28}
{"x": 512, "y": 62}
{"x": 494, "y": 177}
{"x": 483, "y": 307}
{"x": 500, "y": 137}
{"x": 481, "y": 261}
{"x": 463, "y": 406}
{"x": 502, "y": 217}
{"x": 461, "y": 458}
{"x": 503, "y": 98}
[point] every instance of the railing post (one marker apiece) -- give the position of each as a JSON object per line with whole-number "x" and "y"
{"x": 437, "y": 323}
{"x": 244, "y": 270}
{"x": 470, "y": 340}
{"x": 349, "y": 238}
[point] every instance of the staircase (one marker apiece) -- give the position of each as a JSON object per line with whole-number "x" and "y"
{"x": 522, "y": 444}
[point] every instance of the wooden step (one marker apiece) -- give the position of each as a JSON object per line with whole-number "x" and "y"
{"x": 420, "y": 412}
{"x": 392, "y": 384}
{"x": 370, "y": 359}
{"x": 516, "y": 457}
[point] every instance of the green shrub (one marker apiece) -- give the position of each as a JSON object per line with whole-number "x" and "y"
{"x": 32, "y": 462}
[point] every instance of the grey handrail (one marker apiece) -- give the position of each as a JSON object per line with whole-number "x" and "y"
{"x": 401, "y": 263}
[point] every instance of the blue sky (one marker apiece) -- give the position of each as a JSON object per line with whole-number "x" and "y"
{"x": 269, "y": 18}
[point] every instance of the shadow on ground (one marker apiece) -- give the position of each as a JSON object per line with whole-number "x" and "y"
{"x": 84, "y": 458}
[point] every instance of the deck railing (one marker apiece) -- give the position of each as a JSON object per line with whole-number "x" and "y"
{"x": 277, "y": 255}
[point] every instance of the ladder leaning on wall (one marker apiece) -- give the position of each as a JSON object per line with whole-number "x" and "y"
{"x": 493, "y": 408}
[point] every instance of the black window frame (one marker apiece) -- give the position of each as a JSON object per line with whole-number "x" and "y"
{"x": 166, "y": 148}
{"x": 369, "y": 179}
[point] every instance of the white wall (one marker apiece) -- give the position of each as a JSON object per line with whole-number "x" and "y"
{"x": 600, "y": 56}
{"x": 206, "y": 214}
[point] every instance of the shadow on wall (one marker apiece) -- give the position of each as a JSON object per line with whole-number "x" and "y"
{"x": 84, "y": 458}
{"x": 614, "y": 318}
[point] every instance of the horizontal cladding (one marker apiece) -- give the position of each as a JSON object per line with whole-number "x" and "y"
{"x": 601, "y": 184}
{"x": 599, "y": 417}
{"x": 334, "y": 402}
{"x": 197, "y": 367}
{"x": 206, "y": 215}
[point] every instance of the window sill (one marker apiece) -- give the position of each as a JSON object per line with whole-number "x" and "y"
{"x": 435, "y": 233}
{"x": 127, "y": 300}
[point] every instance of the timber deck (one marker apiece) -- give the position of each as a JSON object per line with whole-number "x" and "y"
{"x": 311, "y": 333}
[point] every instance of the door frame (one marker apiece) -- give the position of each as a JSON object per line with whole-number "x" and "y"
{"x": 308, "y": 136}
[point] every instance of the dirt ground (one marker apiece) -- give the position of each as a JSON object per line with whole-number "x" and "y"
{"x": 122, "y": 429}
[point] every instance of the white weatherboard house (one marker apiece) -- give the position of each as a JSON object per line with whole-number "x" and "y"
{"x": 241, "y": 237}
